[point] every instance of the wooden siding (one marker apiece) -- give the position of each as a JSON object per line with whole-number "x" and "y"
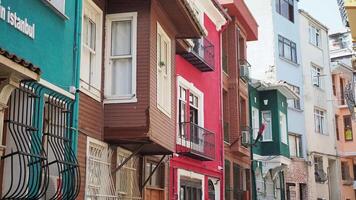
{"x": 162, "y": 128}
{"x": 128, "y": 119}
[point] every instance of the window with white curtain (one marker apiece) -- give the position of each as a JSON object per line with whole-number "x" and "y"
{"x": 90, "y": 67}
{"x": 267, "y": 120}
{"x": 163, "y": 71}
{"x": 283, "y": 127}
{"x": 120, "y": 81}
{"x": 295, "y": 145}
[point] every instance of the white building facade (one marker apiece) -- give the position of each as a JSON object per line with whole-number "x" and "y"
{"x": 276, "y": 57}
{"x": 323, "y": 167}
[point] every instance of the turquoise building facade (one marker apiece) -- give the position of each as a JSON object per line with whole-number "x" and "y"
{"x": 39, "y": 66}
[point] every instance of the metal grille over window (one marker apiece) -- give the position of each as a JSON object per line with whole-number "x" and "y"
{"x": 127, "y": 178}
{"x": 64, "y": 177}
{"x": 100, "y": 184}
{"x": 25, "y": 164}
{"x": 39, "y": 162}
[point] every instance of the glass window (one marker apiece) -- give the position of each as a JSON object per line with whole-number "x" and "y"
{"x": 287, "y": 49}
{"x": 255, "y": 122}
{"x": 345, "y": 171}
{"x": 316, "y": 76}
{"x": 348, "y": 128}
{"x": 90, "y": 68}
{"x": 121, "y": 74}
{"x": 157, "y": 178}
{"x": 286, "y": 9}
{"x": 294, "y": 103}
{"x": 320, "y": 122}
{"x": 283, "y": 127}
{"x": 227, "y": 180}
{"x": 98, "y": 174}
{"x": 295, "y": 145}
{"x": 318, "y": 167}
{"x": 58, "y": 5}
{"x": 314, "y": 36}
{"x": 267, "y": 120}
{"x": 163, "y": 71}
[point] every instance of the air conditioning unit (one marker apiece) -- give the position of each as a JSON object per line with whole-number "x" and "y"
{"x": 245, "y": 137}
{"x": 245, "y": 71}
{"x": 321, "y": 176}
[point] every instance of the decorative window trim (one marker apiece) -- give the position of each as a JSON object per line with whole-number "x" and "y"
{"x": 166, "y": 109}
{"x": 92, "y": 7}
{"x": 108, "y": 68}
{"x": 181, "y": 82}
{"x": 193, "y": 175}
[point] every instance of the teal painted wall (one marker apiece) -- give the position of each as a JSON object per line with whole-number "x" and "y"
{"x": 275, "y": 101}
{"x": 52, "y": 49}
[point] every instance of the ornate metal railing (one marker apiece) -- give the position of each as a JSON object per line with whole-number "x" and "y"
{"x": 196, "y": 141}
{"x": 39, "y": 161}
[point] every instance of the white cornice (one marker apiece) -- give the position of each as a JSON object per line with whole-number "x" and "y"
{"x": 213, "y": 13}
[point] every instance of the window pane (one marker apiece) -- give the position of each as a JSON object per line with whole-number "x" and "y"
{"x": 122, "y": 77}
{"x": 267, "y": 119}
{"x": 292, "y": 145}
{"x": 121, "y": 38}
{"x": 285, "y": 8}
{"x": 287, "y": 51}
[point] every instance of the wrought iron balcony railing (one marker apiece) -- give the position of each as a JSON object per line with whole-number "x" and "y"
{"x": 196, "y": 142}
{"x": 201, "y": 55}
{"x": 244, "y": 69}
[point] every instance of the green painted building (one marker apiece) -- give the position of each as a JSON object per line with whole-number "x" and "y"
{"x": 268, "y": 106}
{"x": 39, "y": 70}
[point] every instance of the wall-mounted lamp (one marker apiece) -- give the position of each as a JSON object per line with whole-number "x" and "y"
{"x": 265, "y": 102}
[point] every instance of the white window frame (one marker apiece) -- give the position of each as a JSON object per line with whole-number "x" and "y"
{"x": 255, "y": 122}
{"x": 90, "y": 9}
{"x": 283, "y": 127}
{"x": 164, "y": 100}
{"x": 108, "y": 183}
{"x": 59, "y": 8}
{"x": 316, "y": 74}
{"x": 193, "y": 175}
{"x": 269, "y": 128}
{"x": 181, "y": 82}
{"x": 314, "y": 35}
{"x": 297, "y": 148}
{"x": 108, "y": 63}
{"x": 320, "y": 115}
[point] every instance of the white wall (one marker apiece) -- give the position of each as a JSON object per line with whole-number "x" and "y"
{"x": 324, "y": 145}
{"x": 264, "y": 53}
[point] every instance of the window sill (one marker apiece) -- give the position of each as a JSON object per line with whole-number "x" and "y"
{"x": 296, "y": 109}
{"x": 318, "y": 47}
{"x": 90, "y": 94}
{"x": 289, "y": 61}
{"x": 59, "y": 13}
{"x": 324, "y": 134}
{"x": 318, "y": 88}
{"x": 160, "y": 108}
{"x": 120, "y": 100}
{"x": 266, "y": 141}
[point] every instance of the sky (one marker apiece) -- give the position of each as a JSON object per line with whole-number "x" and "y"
{"x": 325, "y": 11}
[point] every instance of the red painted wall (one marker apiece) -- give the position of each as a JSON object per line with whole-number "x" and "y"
{"x": 210, "y": 84}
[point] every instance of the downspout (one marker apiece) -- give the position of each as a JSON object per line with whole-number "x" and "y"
{"x": 76, "y": 72}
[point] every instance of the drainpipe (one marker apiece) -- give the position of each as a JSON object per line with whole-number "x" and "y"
{"x": 76, "y": 71}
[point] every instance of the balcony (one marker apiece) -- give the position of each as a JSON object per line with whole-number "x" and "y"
{"x": 201, "y": 55}
{"x": 244, "y": 69}
{"x": 242, "y": 144}
{"x": 196, "y": 142}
